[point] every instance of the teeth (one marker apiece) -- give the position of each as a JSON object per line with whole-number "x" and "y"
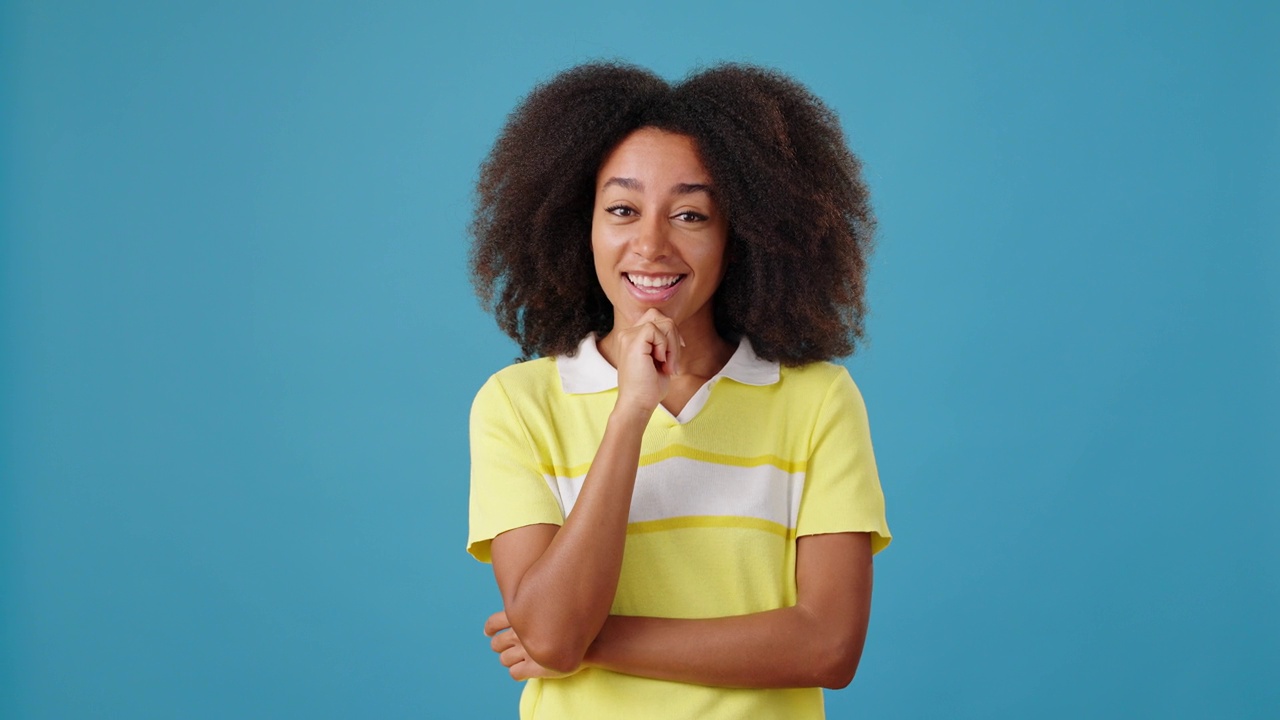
{"x": 653, "y": 282}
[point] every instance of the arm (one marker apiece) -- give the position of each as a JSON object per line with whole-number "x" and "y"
{"x": 817, "y": 642}
{"x": 558, "y": 583}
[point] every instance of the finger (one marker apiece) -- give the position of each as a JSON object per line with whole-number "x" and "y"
{"x": 666, "y": 325}
{"x": 669, "y": 339}
{"x": 504, "y": 640}
{"x": 675, "y": 343}
{"x": 496, "y": 623}
{"x": 518, "y": 671}
{"x": 511, "y": 656}
{"x": 659, "y": 343}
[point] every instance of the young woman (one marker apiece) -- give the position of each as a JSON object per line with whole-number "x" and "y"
{"x": 678, "y": 496}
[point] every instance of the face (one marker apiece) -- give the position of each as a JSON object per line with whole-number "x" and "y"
{"x": 657, "y": 234}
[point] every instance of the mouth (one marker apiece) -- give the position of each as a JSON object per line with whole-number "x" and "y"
{"x": 654, "y": 287}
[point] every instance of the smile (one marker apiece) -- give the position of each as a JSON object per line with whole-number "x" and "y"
{"x": 653, "y": 282}
{"x": 653, "y": 288}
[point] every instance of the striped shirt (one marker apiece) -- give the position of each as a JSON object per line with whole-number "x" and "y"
{"x": 759, "y": 456}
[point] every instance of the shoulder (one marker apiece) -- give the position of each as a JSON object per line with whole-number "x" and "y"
{"x": 819, "y": 378}
{"x": 531, "y": 373}
{"x": 515, "y": 384}
{"x": 536, "y": 375}
{"x": 823, "y": 390}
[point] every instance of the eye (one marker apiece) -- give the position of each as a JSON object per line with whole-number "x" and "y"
{"x": 620, "y": 210}
{"x": 691, "y": 216}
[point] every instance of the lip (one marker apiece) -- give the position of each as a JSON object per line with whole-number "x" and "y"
{"x": 650, "y": 296}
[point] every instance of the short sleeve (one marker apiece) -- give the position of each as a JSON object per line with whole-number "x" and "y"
{"x": 508, "y": 489}
{"x": 842, "y": 487}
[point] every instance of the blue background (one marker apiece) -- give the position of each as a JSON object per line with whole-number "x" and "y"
{"x": 239, "y": 347}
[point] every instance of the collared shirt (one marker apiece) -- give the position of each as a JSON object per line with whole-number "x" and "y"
{"x": 588, "y": 372}
{"x": 761, "y": 455}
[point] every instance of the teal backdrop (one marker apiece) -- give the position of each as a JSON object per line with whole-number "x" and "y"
{"x": 239, "y": 346}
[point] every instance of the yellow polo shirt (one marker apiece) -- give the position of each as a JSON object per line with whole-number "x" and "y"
{"x": 760, "y": 455}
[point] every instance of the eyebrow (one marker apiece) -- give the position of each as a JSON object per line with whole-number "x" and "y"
{"x": 677, "y": 189}
{"x": 687, "y": 188}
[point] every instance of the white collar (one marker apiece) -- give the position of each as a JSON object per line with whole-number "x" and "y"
{"x": 588, "y": 372}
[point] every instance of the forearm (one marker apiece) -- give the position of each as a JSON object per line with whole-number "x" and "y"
{"x": 561, "y": 601}
{"x": 784, "y": 648}
{"x": 817, "y": 642}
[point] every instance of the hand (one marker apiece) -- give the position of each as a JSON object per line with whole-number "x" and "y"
{"x": 647, "y": 355}
{"x": 511, "y": 652}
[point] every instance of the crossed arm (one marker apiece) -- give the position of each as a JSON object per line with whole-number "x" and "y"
{"x": 816, "y": 642}
{"x": 558, "y": 582}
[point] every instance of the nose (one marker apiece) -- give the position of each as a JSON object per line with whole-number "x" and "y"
{"x": 652, "y": 241}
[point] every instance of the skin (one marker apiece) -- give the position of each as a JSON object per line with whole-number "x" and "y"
{"x": 656, "y": 217}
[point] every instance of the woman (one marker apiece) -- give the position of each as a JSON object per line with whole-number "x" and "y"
{"x": 679, "y": 497}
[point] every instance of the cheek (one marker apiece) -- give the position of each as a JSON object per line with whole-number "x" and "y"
{"x": 596, "y": 241}
{"x": 601, "y": 259}
{"x": 606, "y": 245}
{"x": 598, "y": 249}
{"x": 713, "y": 258}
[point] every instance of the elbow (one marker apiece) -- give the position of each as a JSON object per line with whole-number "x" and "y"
{"x": 838, "y": 663}
{"x": 555, "y": 648}
{"x": 838, "y": 678}
{"x": 554, "y": 654}
{"x": 554, "y": 635}
{"x": 835, "y": 649}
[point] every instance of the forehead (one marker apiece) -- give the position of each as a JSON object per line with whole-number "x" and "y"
{"x": 652, "y": 155}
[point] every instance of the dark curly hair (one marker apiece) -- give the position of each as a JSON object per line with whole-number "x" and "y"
{"x": 800, "y": 220}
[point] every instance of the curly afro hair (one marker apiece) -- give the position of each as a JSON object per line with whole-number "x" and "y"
{"x": 800, "y": 220}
